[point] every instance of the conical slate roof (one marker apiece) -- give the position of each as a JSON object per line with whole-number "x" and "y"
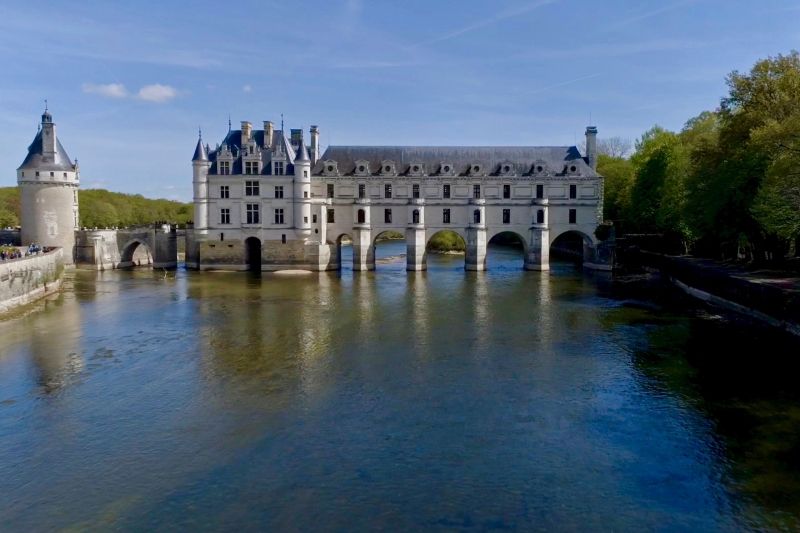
{"x": 200, "y": 153}
{"x": 302, "y": 155}
{"x": 38, "y": 160}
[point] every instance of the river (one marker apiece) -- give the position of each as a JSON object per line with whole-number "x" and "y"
{"x": 439, "y": 400}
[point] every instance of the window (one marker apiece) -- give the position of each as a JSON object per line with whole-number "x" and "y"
{"x": 279, "y": 168}
{"x": 445, "y": 216}
{"x": 224, "y": 168}
{"x": 251, "y": 188}
{"x": 331, "y": 218}
{"x": 540, "y": 191}
{"x": 387, "y": 216}
{"x": 65, "y": 175}
{"x": 221, "y": 236}
{"x": 540, "y": 216}
{"x": 573, "y": 216}
{"x": 506, "y": 216}
{"x": 476, "y": 216}
{"x": 305, "y": 173}
{"x": 37, "y": 173}
{"x": 415, "y": 190}
{"x": 251, "y": 167}
{"x": 305, "y": 220}
{"x": 279, "y": 191}
{"x": 330, "y": 190}
{"x": 253, "y": 212}
{"x": 283, "y": 238}
{"x": 573, "y": 191}
{"x": 446, "y": 190}
{"x": 314, "y": 219}
{"x": 305, "y": 194}
{"x": 362, "y": 190}
{"x": 387, "y": 190}
{"x": 476, "y": 191}
{"x": 279, "y": 216}
{"x": 361, "y": 217}
{"x": 225, "y": 216}
{"x": 224, "y": 191}
{"x": 506, "y": 191}
{"x": 52, "y": 174}
{"x": 415, "y": 216}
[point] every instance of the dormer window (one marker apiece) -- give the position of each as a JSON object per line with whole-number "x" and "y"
{"x": 387, "y": 167}
{"x": 475, "y": 170}
{"x": 224, "y": 168}
{"x": 507, "y": 169}
{"x": 251, "y": 167}
{"x": 330, "y": 168}
{"x": 279, "y": 168}
{"x": 416, "y": 169}
{"x": 362, "y": 168}
{"x": 446, "y": 169}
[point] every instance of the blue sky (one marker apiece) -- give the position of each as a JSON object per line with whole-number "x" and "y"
{"x": 129, "y": 83}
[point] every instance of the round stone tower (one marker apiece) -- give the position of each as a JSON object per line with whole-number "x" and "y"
{"x": 48, "y": 182}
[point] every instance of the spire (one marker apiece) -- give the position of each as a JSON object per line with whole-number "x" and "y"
{"x": 302, "y": 154}
{"x": 200, "y": 152}
{"x": 47, "y": 118}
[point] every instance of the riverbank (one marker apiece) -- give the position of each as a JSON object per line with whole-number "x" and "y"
{"x": 25, "y": 280}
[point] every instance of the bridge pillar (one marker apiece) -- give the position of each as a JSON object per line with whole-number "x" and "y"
{"x": 363, "y": 251}
{"x": 476, "y": 247}
{"x": 415, "y": 248}
{"x": 538, "y": 256}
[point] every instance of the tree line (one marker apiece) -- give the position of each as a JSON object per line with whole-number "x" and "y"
{"x": 728, "y": 184}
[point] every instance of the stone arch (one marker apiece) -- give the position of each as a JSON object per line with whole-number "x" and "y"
{"x": 336, "y": 250}
{"x": 459, "y": 232}
{"x": 506, "y": 235}
{"x": 252, "y": 254}
{"x": 378, "y": 237}
{"x": 136, "y": 252}
{"x": 573, "y": 244}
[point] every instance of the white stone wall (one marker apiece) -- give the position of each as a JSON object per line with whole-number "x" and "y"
{"x": 48, "y": 214}
{"x": 26, "y": 279}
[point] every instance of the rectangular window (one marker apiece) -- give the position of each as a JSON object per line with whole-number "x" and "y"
{"x": 253, "y": 214}
{"x": 279, "y": 169}
{"x": 573, "y": 191}
{"x": 283, "y": 238}
{"x": 224, "y": 168}
{"x": 540, "y": 216}
{"x": 540, "y": 191}
{"x": 252, "y": 188}
{"x": 331, "y": 218}
{"x": 279, "y": 216}
{"x": 225, "y": 216}
{"x": 387, "y": 216}
{"x": 445, "y": 216}
{"x": 251, "y": 167}
{"x": 506, "y": 191}
{"x": 573, "y": 216}
{"x": 224, "y": 191}
{"x": 313, "y": 219}
{"x": 279, "y": 191}
{"x": 476, "y": 191}
{"x": 415, "y": 190}
{"x": 362, "y": 190}
{"x": 330, "y": 190}
{"x": 446, "y": 190}
{"x": 506, "y": 216}
{"x": 387, "y": 190}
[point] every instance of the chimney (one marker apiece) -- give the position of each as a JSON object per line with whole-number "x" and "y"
{"x": 297, "y": 135}
{"x": 591, "y": 146}
{"x": 247, "y": 130}
{"x": 269, "y": 132}
{"x": 48, "y": 134}
{"x": 314, "y": 144}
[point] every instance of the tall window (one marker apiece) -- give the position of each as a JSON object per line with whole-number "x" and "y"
{"x": 540, "y": 191}
{"x": 506, "y": 191}
{"x": 225, "y": 216}
{"x": 415, "y": 216}
{"x": 387, "y": 190}
{"x": 573, "y": 216}
{"x": 446, "y": 190}
{"x": 476, "y": 191}
{"x": 573, "y": 191}
{"x": 415, "y": 190}
{"x": 279, "y": 191}
{"x": 330, "y": 190}
{"x": 540, "y": 216}
{"x": 279, "y": 216}
{"x": 253, "y": 214}
{"x": 506, "y": 216}
{"x": 224, "y": 191}
{"x": 279, "y": 168}
{"x": 361, "y": 217}
{"x": 387, "y": 216}
{"x": 331, "y": 218}
{"x": 362, "y": 190}
{"x": 476, "y": 216}
{"x": 252, "y": 188}
{"x": 445, "y": 216}
{"x": 251, "y": 167}
{"x": 224, "y": 167}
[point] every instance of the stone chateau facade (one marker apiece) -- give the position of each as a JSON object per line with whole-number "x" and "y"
{"x": 264, "y": 200}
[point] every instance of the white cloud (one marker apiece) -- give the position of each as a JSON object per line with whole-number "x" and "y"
{"x": 247, "y": 88}
{"x": 109, "y": 90}
{"x": 157, "y": 93}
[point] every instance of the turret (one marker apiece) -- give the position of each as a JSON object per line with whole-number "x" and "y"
{"x": 200, "y": 166}
{"x": 302, "y": 187}
{"x": 591, "y": 146}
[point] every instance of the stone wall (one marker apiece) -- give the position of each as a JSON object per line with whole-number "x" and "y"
{"x": 25, "y": 280}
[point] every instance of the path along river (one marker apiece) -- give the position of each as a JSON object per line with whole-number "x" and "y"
{"x": 435, "y": 400}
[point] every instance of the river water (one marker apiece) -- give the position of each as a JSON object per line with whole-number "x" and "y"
{"x": 439, "y": 400}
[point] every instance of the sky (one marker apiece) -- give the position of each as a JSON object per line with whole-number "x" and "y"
{"x": 130, "y": 83}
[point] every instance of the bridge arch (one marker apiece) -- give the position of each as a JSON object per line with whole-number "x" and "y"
{"x": 336, "y": 255}
{"x": 456, "y": 237}
{"x": 252, "y": 254}
{"x": 572, "y": 244}
{"x": 136, "y": 252}
{"x": 508, "y": 237}
{"x": 387, "y": 235}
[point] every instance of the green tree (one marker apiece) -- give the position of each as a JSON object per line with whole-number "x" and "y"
{"x": 618, "y": 173}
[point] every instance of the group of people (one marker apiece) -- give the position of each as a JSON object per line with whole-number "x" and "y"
{"x": 8, "y": 252}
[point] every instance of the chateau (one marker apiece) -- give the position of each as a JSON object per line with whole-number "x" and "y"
{"x": 264, "y": 200}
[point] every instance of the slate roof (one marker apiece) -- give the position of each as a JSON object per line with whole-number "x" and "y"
{"x": 555, "y": 159}
{"x": 37, "y": 160}
{"x": 200, "y": 153}
{"x": 234, "y": 142}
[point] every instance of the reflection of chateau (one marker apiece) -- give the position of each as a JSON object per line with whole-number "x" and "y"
{"x": 266, "y": 201}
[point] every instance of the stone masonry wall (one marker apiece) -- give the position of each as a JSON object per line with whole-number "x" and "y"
{"x": 25, "y": 280}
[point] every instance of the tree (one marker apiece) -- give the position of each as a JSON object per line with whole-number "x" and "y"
{"x": 615, "y": 147}
{"x": 618, "y": 174}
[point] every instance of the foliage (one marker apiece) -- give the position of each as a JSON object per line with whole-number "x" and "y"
{"x": 9, "y": 207}
{"x": 447, "y": 241}
{"x": 619, "y": 176}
